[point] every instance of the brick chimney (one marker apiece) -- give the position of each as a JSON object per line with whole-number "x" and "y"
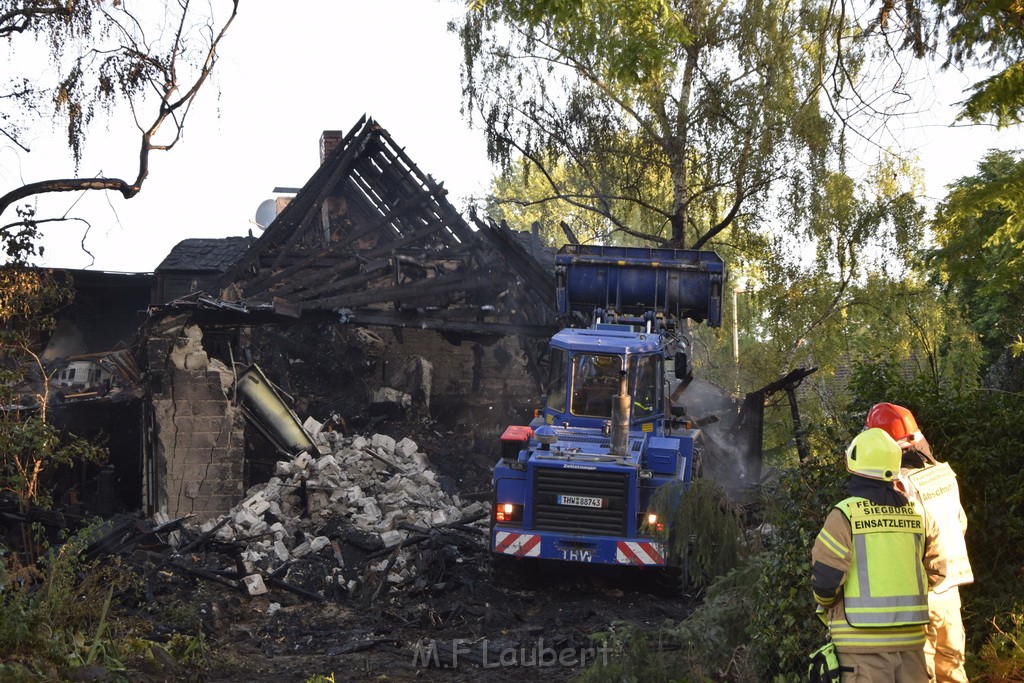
{"x": 329, "y": 142}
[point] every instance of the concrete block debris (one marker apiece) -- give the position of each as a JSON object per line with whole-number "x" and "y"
{"x": 352, "y": 521}
{"x": 254, "y": 584}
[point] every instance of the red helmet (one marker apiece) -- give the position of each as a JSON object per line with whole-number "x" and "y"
{"x": 897, "y": 421}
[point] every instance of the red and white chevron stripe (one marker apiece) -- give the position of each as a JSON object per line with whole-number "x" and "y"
{"x": 639, "y": 552}
{"x": 520, "y": 545}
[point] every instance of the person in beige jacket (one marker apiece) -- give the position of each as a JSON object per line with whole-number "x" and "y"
{"x": 934, "y": 486}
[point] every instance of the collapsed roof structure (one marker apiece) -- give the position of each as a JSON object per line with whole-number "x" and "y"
{"x": 367, "y": 293}
{"x": 374, "y": 240}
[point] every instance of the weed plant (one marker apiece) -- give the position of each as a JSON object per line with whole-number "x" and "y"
{"x": 60, "y": 615}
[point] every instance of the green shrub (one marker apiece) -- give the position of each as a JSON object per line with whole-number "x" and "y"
{"x": 702, "y": 529}
{"x": 59, "y": 612}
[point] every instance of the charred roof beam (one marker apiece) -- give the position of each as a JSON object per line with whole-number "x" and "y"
{"x": 348, "y": 265}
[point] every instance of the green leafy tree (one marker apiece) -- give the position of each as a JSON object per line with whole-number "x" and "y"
{"x": 523, "y": 199}
{"x": 720, "y": 102}
{"x": 800, "y": 282}
{"x": 103, "y": 53}
{"x": 30, "y": 445}
{"x": 522, "y": 195}
{"x": 979, "y": 228}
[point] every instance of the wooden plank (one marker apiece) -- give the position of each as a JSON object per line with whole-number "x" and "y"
{"x": 260, "y": 286}
{"x": 335, "y": 286}
{"x": 381, "y": 250}
{"x": 405, "y": 293}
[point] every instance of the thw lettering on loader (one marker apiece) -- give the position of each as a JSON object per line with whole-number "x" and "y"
{"x": 577, "y": 555}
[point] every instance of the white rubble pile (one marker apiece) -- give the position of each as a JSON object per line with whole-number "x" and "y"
{"x": 373, "y": 485}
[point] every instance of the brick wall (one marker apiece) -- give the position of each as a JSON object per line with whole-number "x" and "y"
{"x": 329, "y": 141}
{"x": 198, "y": 455}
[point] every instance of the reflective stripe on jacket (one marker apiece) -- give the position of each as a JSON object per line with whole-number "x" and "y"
{"x": 886, "y": 585}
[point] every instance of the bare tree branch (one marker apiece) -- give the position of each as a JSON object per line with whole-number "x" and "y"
{"x": 175, "y": 103}
{"x": 20, "y": 19}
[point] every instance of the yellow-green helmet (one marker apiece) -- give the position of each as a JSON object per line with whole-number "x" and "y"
{"x": 874, "y": 454}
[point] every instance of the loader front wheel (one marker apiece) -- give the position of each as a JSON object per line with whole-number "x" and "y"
{"x": 672, "y": 581}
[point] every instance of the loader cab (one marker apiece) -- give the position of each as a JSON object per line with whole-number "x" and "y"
{"x": 584, "y": 372}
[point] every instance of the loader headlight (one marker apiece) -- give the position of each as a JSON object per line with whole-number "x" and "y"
{"x": 649, "y": 524}
{"x": 507, "y": 512}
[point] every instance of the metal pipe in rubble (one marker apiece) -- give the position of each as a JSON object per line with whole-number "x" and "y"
{"x": 620, "y": 417}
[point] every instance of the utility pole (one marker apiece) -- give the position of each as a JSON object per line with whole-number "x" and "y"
{"x": 738, "y": 289}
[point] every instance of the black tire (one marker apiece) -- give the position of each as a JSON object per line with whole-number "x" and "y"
{"x": 672, "y": 581}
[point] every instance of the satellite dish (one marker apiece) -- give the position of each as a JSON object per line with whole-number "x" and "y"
{"x": 266, "y": 213}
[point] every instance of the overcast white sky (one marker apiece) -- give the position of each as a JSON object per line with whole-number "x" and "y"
{"x": 290, "y": 71}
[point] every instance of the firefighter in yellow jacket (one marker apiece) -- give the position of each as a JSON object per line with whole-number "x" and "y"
{"x": 933, "y": 485}
{"x": 873, "y": 562}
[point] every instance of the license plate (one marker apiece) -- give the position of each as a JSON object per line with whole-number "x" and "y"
{"x": 581, "y": 501}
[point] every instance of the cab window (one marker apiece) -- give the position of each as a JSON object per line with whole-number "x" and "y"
{"x": 645, "y": 387}
{"x": 595, "y": 383}
{"x": 557, "y": 372}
